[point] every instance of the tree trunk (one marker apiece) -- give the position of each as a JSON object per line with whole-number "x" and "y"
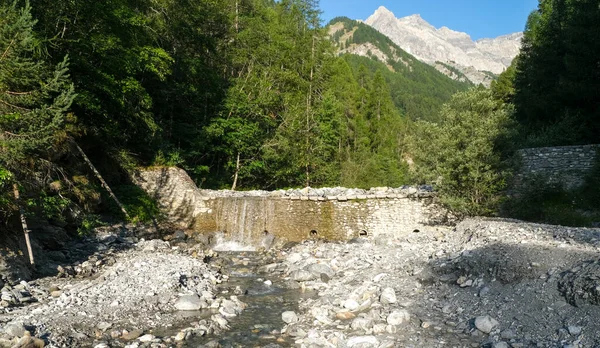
{"x": 237, "y": 17}
{"x": 237, "y": 171}
{"x": 104, "y": 184}
{"x": 308, "y": 111}
{"x": 23, "y": 223}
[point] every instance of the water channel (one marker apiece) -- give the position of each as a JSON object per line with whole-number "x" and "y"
{"x": 266, "y": 297}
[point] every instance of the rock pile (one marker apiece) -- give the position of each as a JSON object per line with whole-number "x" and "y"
{"x": 124, "y": 300}
{"x": 381, "y": 192}
{"x": 484, "y": 283}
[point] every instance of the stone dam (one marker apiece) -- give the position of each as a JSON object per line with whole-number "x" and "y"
{"x": 294, "y": 215}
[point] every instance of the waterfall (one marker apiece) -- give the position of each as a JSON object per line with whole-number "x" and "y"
{"x": 242, "y": 223}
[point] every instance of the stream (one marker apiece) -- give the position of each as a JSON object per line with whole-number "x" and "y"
{"x": 260, "y": 323}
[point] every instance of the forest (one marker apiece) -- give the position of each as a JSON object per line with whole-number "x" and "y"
{"x": 251, "y": 94}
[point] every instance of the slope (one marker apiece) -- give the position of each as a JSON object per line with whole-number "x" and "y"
{"x": 418, "y": 89}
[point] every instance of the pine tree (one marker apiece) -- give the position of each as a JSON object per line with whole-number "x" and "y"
{"x": 34, "y": 100}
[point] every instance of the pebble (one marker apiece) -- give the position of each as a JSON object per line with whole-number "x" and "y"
{"x": 146, "y": 338}
{"x": 485, "y": 323}
{"x": 388, "y": 296}
{"x": 189, "y": 303}
{"x": 398, "y": 317}
{"x": 289, "y": 317}
{"x": 351, "y": 304}
{"x": 574, "y": 330}
{"x": 363, "y": 341}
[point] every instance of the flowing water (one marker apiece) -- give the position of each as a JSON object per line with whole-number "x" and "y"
{"x": 260, "y": 323}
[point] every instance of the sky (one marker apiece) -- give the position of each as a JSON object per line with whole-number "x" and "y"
{"x": 478, "y": 18}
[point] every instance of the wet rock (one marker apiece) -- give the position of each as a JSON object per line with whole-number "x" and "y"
{"x": 485, "y": 323}
{"x": 289, "y": 317}
{"x": 188, "y": 303}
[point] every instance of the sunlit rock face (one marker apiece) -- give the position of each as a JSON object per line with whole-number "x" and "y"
{"x": 476, "y": 59}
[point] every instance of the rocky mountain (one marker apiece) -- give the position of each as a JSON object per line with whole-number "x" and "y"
{"x": 417, "y": 89}
{"x": 445, "y": 48}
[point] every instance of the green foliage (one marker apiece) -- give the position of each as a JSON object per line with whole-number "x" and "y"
{"x": 87, "y": 224}
{"x": 50, "y": 207}
{"x": 34, "y": 97}
{"x": 557, "y": 80}
{"x": 418, "y": 89}
{"x": 550, "y": 202}
{"x": 170, "y": 159}
{"x": 139, "y": 205}
{"x": 463, "y": 155}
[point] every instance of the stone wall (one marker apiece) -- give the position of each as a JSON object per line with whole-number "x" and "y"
{"x": 245, "y": 219}
{"x": 176, "y": 193}
{"x": 295, "y": 215}
{"x": 566, "y": 164}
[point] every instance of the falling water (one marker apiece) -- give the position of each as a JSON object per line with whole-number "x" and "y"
{"x": 242, "y": 223}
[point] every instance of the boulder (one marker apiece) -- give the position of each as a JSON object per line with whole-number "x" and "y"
{"x": 485, "y": 323}
{"x": 188, "y": 303}
{"x": 289, "y": 317}
{"x": 388, "y": 296}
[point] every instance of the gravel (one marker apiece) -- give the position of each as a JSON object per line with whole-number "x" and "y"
{"x": 485, "y": 282}
{"x": 124, "y": 298}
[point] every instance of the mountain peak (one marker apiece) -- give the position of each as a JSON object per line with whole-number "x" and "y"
{"x": 382, "y": 10}
{"x": 421, "y": 39}
{"x": 381, "y": 14}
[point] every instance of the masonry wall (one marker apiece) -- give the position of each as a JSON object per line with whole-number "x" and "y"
{"x": 177, "y": 195}
{"x": 245, "y": 219}
{"x": 566, "y": 164}
{"x": 295, "y": 218}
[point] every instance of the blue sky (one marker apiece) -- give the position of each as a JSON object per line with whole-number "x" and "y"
{"x": 478, "y": 18}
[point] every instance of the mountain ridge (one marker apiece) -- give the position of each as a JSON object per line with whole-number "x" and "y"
{"x": 476, "y": 59}
{"x": 417, "y": 88}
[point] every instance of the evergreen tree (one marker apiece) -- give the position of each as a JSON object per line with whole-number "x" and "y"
{"x": 557, "y": 93}
{"x": 34, "y": 98}
{"x": 463, "y": 155}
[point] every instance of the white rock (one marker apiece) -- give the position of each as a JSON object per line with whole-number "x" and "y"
{"x": 289, "y": 317}
{"x": 362, "y": 341}
{"x": 574, "y": 330}
{"x": 180, "y": 336}
{"x": 351, "y": 304}
{"x": 398, "y": 317}
{"x": 188, "y": 303}
{"x": 146, "y": 338}
{"x": 362, "y": 324}
{"x": 388, "y": 295}
{"x": 485, "y": 323}
{"x": 379, "y": 277}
